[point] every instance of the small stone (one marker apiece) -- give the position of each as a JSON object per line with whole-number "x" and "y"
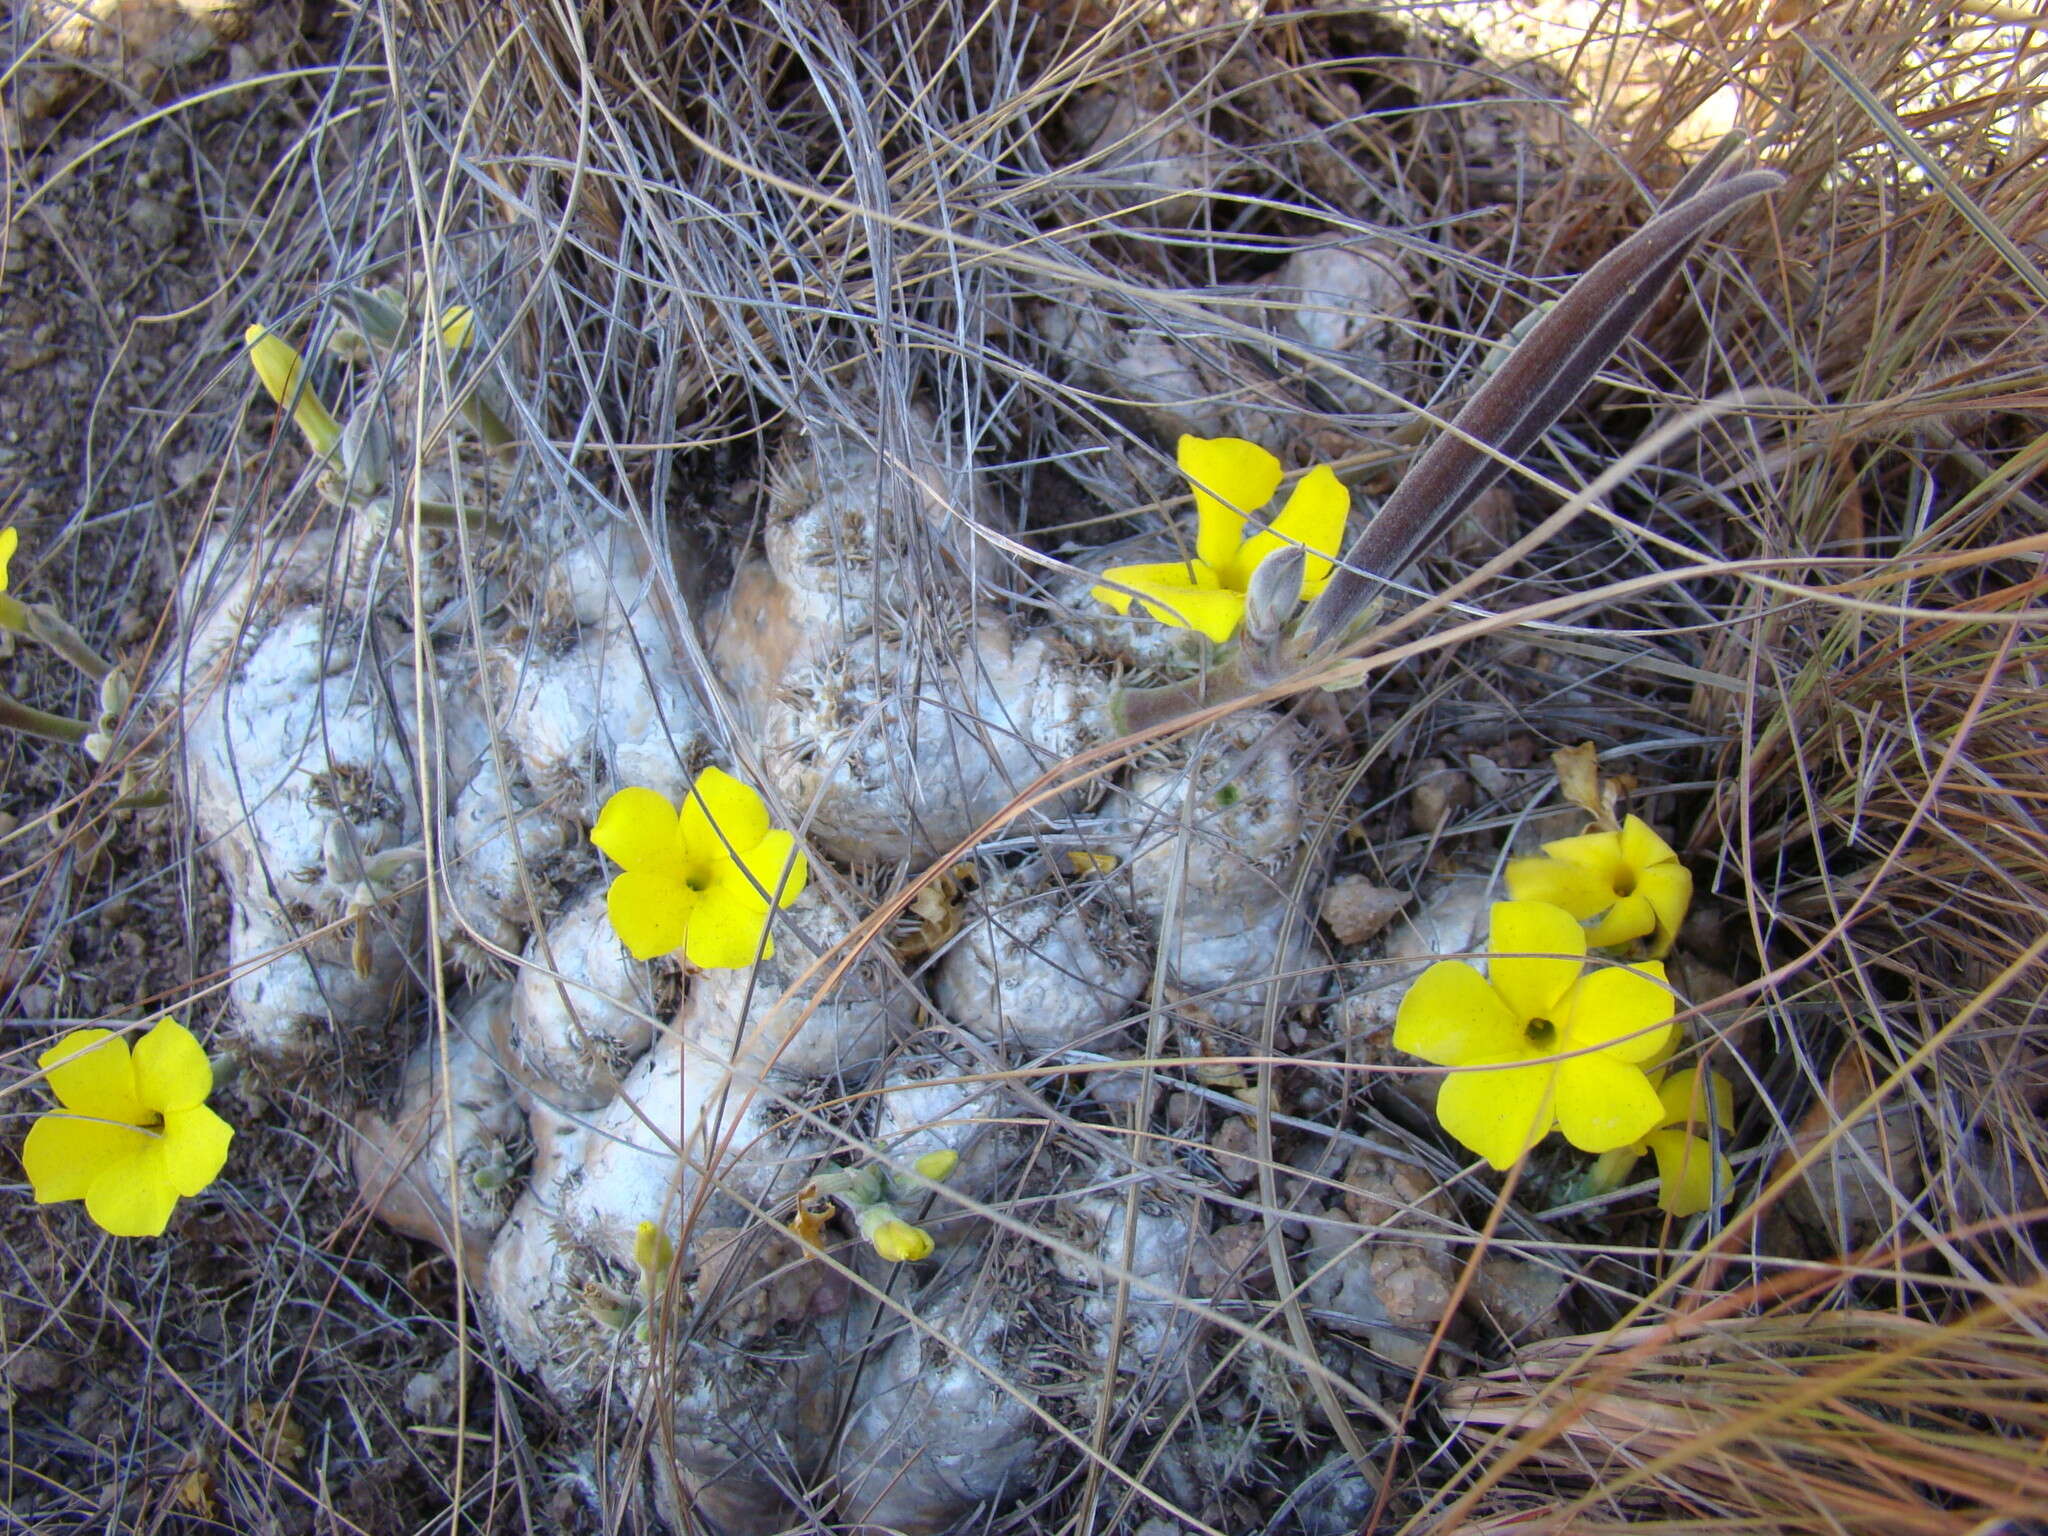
{"x": 160, "y": 223}
{"x": 1230, "y": 1261}
{"x": 1335, "y": 1500}
{"x": 35, "y": 1369}
{"x": 1523, "y": 1299}
{"x": 190, "y": 467}
{"x": 1355, "y": 909}
{"x": 1440, "y": 790}
{"x": 1236, "y": 1145}
{"x": 1452, "y": 923}
{"x": 1492, "y": 779}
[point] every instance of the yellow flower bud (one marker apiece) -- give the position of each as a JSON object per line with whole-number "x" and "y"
{"x": 653, "y": 1254}
{"x": 458, "y": 327}
{"x": 283, "y": 372}
{"x": 937, "y": 1165}
{"x": 899, "y": 1242}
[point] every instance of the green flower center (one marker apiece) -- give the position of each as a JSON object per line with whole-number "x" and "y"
{"x": 1541, "y": 1033}
{"x": 1625, "y": 882}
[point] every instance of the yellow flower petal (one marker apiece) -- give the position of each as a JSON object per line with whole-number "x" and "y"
{"x": 636, "y": 830}
{"x": 722, "y": 817}
{"x": 1199, "y": 604}
{"x": 1631, "y": 917}
{"x": 773, "y": 869}
{"x": 135, "y": 1198}
{"x": 1536, "y": 952}
{"x": 195, "y": 1147}
{"x": 1597, "y": 853}
{"x": 1668, "y": 890}
{"x": 1313, "y": 518}
{"x": 171, "y": 1069}
{"x": 1603, "y": 1103}
{"x": 1696, "y": 1178}
{"x": 1499, "y": 1114}
{"x": 1170, "y": 576}
{"x": 63, "y": 1154}
{"x": 1452, "y": 1015}
{"x": 728, "y": 929}
{"x": 1642, "y": 848}
{"x": 650, "y": 913}
{"x": 1231, "y": 478}
{"x": 1580, "y": 891}
{"x": 1685, "y": 1105}
{"x": 1623, "y": 1009}
{"x": 92, "y": 1074}
{"x": 10, "y": 541}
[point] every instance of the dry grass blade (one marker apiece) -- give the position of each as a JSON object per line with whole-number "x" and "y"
{"x": 1864, "y": 1421}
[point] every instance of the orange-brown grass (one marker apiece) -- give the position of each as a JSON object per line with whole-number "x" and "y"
{"x": 1857, "y": 1420}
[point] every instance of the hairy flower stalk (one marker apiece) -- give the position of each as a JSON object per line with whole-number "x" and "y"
{"x": 1546, "y": 371}
{"x": 17, "y": 716}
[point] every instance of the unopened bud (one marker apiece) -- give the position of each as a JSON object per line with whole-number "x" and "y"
{"x": 1274, "y": 593}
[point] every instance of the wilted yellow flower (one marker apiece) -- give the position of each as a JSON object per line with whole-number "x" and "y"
{"x": 1561, "y": 1048}
{"x": 1232, "y": 479}
{"x": 699, "y": 880}
{"x": 283, "y": 372}
{"x": 134, "y": 1132}
{"x": 1622, "y": 885}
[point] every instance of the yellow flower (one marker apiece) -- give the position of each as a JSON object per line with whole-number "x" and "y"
{"x": 10, "y": 541}
{"x": 1694, "y": 1176}
{"x": 899, "y": 1242}
{"x": 701, "y": 879}
{"x": 1564, "y": 1047}
{"x": 134, "y": 1133}
{"x": 1231, "y": 479}
{"x": 283, "y": 372}
{"x": 1622, "y": 885}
